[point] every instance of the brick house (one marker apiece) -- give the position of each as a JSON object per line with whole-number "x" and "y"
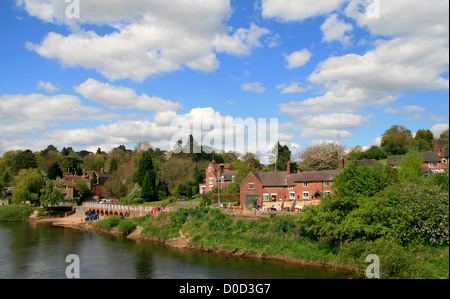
{"x": 440, "y": 145}
{"x": 285, "y": 190}
{"x": 217, "y": 174}
{"x": 433, "y": 162}
{"x": 92, "y": 178}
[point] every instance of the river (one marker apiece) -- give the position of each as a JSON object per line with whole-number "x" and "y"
{"x": 39, "y": 251}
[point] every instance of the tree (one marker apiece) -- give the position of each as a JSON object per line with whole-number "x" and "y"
{"x": 51, "y": 194}
{"x": 24, "y": 160}
{"x": 425, "y": 139}
{"x": 54, "y": 171}
{"x": 374, "y": 152}
{"x": 28, "y": 184}
{"x": 321, "y": 157}
{"x": 283, "y": 155}
{"x": 357, "y": 180}
{"x": 410, "y": 168}
{"x": 82, "y": 187}
{"x": 145, "y": 165}
{"x": 444, "y": 134}
{"x": 113, "y": 165}
{"x": 398, "y": 140}
{"x": 149, "y": 187}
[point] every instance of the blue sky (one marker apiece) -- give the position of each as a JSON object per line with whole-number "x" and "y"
{"x": 122, "y": 71}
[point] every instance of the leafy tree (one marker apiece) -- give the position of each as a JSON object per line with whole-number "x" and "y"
{"x": 113, "y": 165}
{"x": 444, "y": 134}
{"x": 24, "y": 160}
{"x": 425, "y": 139}
{"x": 82, "y": 187}
{"x": 145, "y": 165}
{"x": 357, "y": 180}
{"x": 54, "y": 171}
{"x": 374, "y": 152}
{"x": 27, "y": 185}
{"x": 397, "y": 140}
{"x": 410, "y": 168}
{"x": 51, "y": 194}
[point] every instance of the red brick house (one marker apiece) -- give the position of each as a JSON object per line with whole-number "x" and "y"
{"x": 440, "y": 145}
{"x": 281, "y": 190}
{"x": 217, "y": 174}
{"x": 92, "y": 178}
{"x": 433, "y": 162}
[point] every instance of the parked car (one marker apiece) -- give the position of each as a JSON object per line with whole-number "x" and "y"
{"x": 217, "y": 206}
{"x": 106, "y": 200}
{"x": 91, "y": 217}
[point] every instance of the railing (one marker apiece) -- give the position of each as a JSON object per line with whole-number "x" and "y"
{"x": 119, "y": 207}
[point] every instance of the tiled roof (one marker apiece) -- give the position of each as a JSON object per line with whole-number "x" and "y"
{"x": 279, "y": 179}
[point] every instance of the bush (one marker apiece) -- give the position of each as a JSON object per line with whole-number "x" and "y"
{"x": 126, "y": 226}
{"x": 395, "y": 261}
{"x": 14, "y": 213}
{"x": 108, "y": 223}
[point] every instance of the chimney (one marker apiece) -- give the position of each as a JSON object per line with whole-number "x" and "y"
{"x": 221, "y": 169}
{"x": 341, "y": 163}
{"x": 289, "y": 167}
{"x": 101, "y": 170}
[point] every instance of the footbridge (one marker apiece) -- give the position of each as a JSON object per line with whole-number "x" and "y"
{"x": 120, "y": 209}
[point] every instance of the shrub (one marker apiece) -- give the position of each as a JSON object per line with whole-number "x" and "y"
{"x": 15, "y": 213}
{"x": 126, "y": 226}
{"x": 108, "y": 223}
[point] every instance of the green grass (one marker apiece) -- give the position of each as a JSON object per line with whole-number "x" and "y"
{"x": 14, "y": 213}
{"x": 281, "y": 236}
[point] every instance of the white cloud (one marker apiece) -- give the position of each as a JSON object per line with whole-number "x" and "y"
{"x": 403, "y": 17}
{"x": 293, "y": 88}
{"x": 148, "y": 37}
{"x": 438, "y": 129}
{"x": 255, "y": 87}
{"x": 242, "y": 41}
{"x": 335, "y": 121}
{"x": 298, "y": 58}
{"x": 116, "y": 97}
{"x": 334, "y": 29}
{"x": 413, "y": 108}
{"x": 297, "y": 10}
{"x": 48, "y": 86}
{"x": 330, "y": 134}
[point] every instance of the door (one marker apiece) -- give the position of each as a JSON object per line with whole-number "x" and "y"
{"x": 249, "y": 200}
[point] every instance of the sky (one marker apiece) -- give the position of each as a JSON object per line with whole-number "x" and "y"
{"x": 102, "y": 73}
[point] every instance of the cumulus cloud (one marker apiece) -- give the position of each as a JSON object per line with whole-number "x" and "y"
{"x": 48, "y": 86}
{"x": 147, "y": 37}
{"x": 116, "y": 97}
{"x": 297, "y": 10}
{"x": 292, "y": 88}
{"x": 334, "y": 29}
{"x": 298, "y": 58}
{"x": 254, "y": 87}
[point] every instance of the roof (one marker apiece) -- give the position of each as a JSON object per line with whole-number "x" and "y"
{"x": 441, "y": 142}
{"x": 369, "y": 163}
{"x": 228, "y": 174}
{"x": 426, "y": 157}
{"x": 282, "y": 179}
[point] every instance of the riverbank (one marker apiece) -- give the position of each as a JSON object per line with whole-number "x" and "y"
{"x": 184, "y": 242}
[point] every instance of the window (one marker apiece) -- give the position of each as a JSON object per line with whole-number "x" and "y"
{"x": 291, "y": 195}
{"x": 326, "y": 184}
{"x": 222, "y": 179}
{"x": 251, "y": 186}
{"x": 290, "y": 187}
{"x": 202, "y": 189}
{"x": 305, "y": 195}
{"x": 327, "y": 192}
{"x": 232, "y": 179}
{"x": 211, "y": 187}
{"x": 305, "y": 184}
{"x": 211, "y": 181}
{"x": 209, "y": 169}
{"x": 444, "y": 161}
{"x": 266, "y": 197}
{"x": 433, "y": 164}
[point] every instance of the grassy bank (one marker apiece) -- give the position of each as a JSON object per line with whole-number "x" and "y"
{"x": 15, "y": 213}
{"x": 281, "y": 236}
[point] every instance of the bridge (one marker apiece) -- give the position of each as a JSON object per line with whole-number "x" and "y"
{"x": 120, "y": 210}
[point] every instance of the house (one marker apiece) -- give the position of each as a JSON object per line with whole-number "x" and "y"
{"x": 440, "y": 145}
{"x": 92, "y": 178}
{"x": 369, "y": 163}
{"x": 279, "y": 190}
{"x": 217, "y": 175}
{"x": 433, "y": 162}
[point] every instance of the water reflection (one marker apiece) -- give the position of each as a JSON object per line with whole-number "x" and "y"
{"x": 39, "y": 251}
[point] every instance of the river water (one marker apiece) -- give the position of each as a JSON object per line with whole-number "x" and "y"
{"x": 39, "y": 250}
